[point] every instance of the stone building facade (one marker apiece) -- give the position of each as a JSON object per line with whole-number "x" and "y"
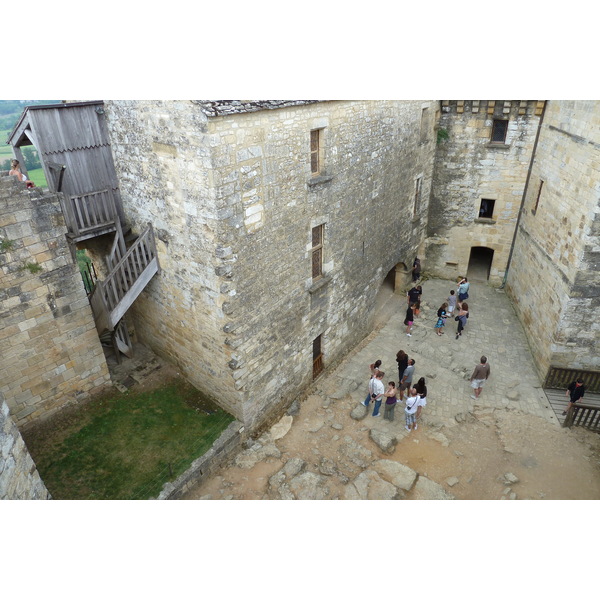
{"x": 19, "y": 478}
{"x": 554, "y": 274}
{"x": 278, "y": 222}
{"x": 50, "y": 354}
{"x": 481, "y": 165}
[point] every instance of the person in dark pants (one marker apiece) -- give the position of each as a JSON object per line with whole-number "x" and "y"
{"x": 575, "y": 390}
{"x": 416, "y": 270}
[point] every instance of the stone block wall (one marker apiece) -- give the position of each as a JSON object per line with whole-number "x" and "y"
{"x": 469, "y": 168}
{"x": 554, "y": 276}
{"x": 19, "y": 478}
{"x": 162, "y": 154}
{"x": 234, "y": 203}
{"x": 49, "y": 348}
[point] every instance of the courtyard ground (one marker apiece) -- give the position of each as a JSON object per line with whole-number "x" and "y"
{"x": 505, "y": 445}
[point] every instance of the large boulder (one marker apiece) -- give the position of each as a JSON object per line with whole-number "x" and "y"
{"x": 309, "y": 486}
{"x": 397, "y": 474}
{"x": 425, "y": 489}
{"x": 368, "y": 485}
{"x": 384, "y": 440}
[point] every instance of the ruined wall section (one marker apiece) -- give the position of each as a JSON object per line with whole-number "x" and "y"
{"x": 554, "y": 276}
{"x": 19, "y": 478}
{"x": 162, "y": 154}
{"x": 469, "y": 168}
{"x": 49, "y": 348}
{"x": 371, "y": 155}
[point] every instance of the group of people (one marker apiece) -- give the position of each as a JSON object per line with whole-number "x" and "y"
{"x": 456, "y": 301}
{"x": 416, "y": 396}
{"x": 16, "y": 172}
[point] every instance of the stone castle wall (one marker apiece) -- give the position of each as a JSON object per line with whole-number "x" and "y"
{"x": 19, "y": 478}
{"x": 469, "y": 168}
{"x": 162, "y": 154}
{"x": 372, "y": 153}
{"x": 554, "y": 276}
{"x": 237, "y": 203}
{"x": 49, "y": 348}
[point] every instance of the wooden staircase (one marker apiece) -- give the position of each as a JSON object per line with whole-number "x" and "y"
{"x": 130, "y": 271}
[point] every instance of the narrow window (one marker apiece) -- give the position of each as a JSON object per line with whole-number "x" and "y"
{"x": 315, "y": 151}
{"x": 317, "y": 357}
{"x": 317, "y": 251}
{"x": 537, "y": 200}
{"x": 499, "y": 129}
{"x": 418, "y": 184}
{"x": 486, "y": 210}
{"x": 424, "y": 123}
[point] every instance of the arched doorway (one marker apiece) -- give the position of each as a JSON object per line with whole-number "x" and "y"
{"x": 480, "y": 263}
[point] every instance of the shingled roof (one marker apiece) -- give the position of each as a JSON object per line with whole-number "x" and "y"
{"x": 219, "y": 108}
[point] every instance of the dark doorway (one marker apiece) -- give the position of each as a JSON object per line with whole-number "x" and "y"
{"x": 480, "y": 263}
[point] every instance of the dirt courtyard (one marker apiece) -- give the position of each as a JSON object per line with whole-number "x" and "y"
{"x": 470, "y": 460}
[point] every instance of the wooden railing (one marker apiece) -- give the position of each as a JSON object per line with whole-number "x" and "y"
{"x": 560, "y": 378}
{"x": 118, "y": 249}
{"x": 114, "y": 295}
{"x": 87, "y": 212}
{"x": 583, "y": 415}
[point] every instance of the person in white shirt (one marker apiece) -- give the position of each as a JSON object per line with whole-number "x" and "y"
{"x": 376, "y": 389}
{"x": 414, "y": 403}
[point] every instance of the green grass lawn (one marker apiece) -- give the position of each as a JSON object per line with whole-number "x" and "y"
{"x": 125, "y": 446}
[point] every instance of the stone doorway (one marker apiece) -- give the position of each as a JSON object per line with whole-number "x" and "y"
{"x": 480, "y": 263}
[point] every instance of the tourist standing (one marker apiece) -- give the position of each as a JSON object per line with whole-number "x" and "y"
{"x": 390, "y": 401}
{"x": 479, "y": 376}
{"x": 413, "y": 403}
{"x": 402, "y": 360}
{"x": 441, "y": 322}
{"x": 407, "y": 376}
{"x": 575, "y": 390}
{"x": 376, "y": 391}
{"x": 374, "y": 367}
{"x": 451, "y": 300}
{"x": 461, "y": 317}
{"x": 409, "y": 320}
{"x": 414, "y": 294}
{"x": 463, "y": 289}
{"x": 416, "y": 270}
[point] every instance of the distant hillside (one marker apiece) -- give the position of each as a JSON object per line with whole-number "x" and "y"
{"x": 10, "y": 111}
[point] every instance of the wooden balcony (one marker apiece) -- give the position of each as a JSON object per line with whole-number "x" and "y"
{"x": 89, "y": 215}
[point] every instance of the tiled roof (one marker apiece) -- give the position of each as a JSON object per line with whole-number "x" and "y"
{"x": 219, "y": 108}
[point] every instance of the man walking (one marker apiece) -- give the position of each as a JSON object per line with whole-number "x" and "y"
{"x": 479, "y": 377}
{"x": 576, "y": 390}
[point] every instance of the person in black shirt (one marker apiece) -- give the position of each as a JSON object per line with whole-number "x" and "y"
{"x": 575, "y": 390}
{"x": 414, "y": 295}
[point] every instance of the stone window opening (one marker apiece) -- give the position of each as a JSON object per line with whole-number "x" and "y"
{"x": 486, "y": 209}
{"x": 539, "y": 194}
{"x": 417, "y": 201}
{"x": 317, "y": 252}
{"x": 424, "y": 124}
{"x": 499, "y": 130}
{"x": 316, "y": 152}
{"x": 317, "y": 356}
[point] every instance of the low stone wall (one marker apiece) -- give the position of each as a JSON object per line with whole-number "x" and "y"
{"x": 19, "y": 478}
{"x": 228, "y": 443}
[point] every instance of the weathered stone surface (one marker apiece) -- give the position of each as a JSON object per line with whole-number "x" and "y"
{"x": 359, "y": 412}
{"x": 397, "y": 474}
{"x": 293, "y": 466}
{"x": 513, "y": 395}
{"x": 327, "y": 466}
{"x": 368, "y": 485}
{"x": 384, "y": 440}
{"x": 294, "y": 408}
{"x": 439, "y": 437}
{"x": 309, "y": 486}
{"x": 357, "y": 454}
{"x": 425, "y": 489}
{"x": 314, "y": 424}
{"x": 282, "y": 427}
{"x": 510, "y": 478}
{"x": 452, "y": 481}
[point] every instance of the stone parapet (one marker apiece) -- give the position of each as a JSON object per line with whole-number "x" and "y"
{"x": 50, "y": 351}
